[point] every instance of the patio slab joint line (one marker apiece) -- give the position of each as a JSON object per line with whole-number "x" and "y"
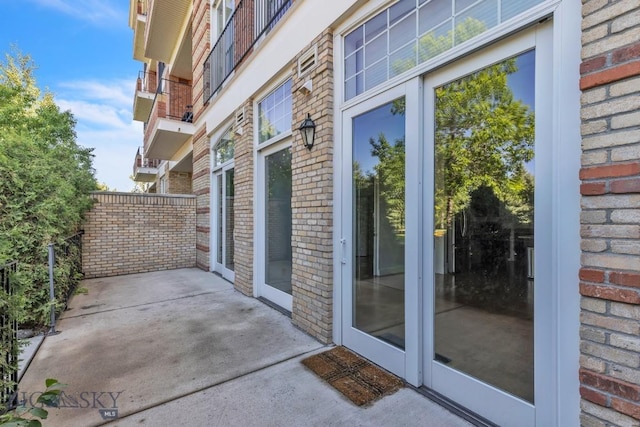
{"x": 201, "y": 389}
{"x": 139, "y": 305}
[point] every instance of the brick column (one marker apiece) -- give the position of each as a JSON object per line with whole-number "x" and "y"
{"x": 202, "y": 190}
{"x": 243, "y": 204}
{"x": 312, "y": 198}
{"x": 610, "y": 219}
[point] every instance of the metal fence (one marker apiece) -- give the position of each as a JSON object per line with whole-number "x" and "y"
{"x": 8, "y": 341}
{"x": 64, "y": 276}
{"x": 250, "y": 20}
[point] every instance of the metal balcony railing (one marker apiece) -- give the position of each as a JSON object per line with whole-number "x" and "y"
{"x": 143, "y": 162}
{"x": 147, "y": 81}
{"x": 248, "y": 23}
{"x": 142, "y": 7}
{"x": 173, "y": 101}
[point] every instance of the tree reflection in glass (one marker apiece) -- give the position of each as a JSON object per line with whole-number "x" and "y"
{"x": 379, "y": 221}
{"x": 278, "y": 216}
{"x": 483, "y": 217}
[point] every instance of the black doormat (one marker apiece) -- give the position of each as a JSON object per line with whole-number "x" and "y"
{"x": 358, "y": 379}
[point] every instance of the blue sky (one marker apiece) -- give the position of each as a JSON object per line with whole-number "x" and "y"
{"x": 83, "y": 51}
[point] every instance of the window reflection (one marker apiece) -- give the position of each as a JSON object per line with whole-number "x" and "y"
{"x": 225, "y": 148}
{"x": 379, "y": 222}
{"x": 278, "y": 218}
{"x": 483, "y": 216}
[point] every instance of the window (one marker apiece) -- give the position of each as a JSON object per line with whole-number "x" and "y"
{"x": 274, "y": 113}
{"x": 413, "y": 31}
{"x": 222, "y": 10}
{"x": 224, "y": 149}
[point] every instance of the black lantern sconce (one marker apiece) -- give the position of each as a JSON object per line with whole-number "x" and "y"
{"x": 308, "y": 131}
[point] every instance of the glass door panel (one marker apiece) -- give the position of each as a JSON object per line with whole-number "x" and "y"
{"x": 219, "y": 219}
{"x": 374, "y": 229}
{"x": 277, "y": 228}
{"x": 229, "y": 219}
{"x": 379, "y": 222}
{"x": 483, "y": 252}
{"x": 224, "y": 222}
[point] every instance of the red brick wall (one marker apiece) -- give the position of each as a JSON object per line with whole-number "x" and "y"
{"x": 610, "y": 218}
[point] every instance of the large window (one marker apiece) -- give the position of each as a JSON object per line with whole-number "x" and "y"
{"x": 412, "y": 31}
{"x": 224, "y": 149}
{"x": 274, "y": 113}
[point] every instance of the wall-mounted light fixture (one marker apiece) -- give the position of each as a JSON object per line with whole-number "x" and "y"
{"x": 308, "y": 130}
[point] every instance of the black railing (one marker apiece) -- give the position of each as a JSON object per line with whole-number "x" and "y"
{"x": 177, "y": 98}
{"x": 142, "y": 7}
{"x": 143, "y": 162}
{"x": 147, "y": 81}
{"x": 8, "y": 340}
{"x": 248, "y": 23}
{"x": 68, "y": 266}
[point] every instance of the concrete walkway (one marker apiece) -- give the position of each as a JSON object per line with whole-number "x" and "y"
{"x": 182, "y": 347}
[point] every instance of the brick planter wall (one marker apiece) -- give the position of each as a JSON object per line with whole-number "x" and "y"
{"x": 610, "y": 220}
{"x": 129, "y": 233}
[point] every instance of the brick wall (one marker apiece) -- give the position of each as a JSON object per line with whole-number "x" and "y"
{"x": 243, "y": 204}
{"x": 201, "y": 179}
{"x": 134, "y": 233}
{"x": 202, "y": 190}
{"x": 201, "y": 36}
{"x": 312, "y": 201}
{"x": 610, "y": 218}
{"x": 179, "y": 183}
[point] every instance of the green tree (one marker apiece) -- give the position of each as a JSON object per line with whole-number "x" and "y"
{"x": 483, "y": 137}
{"x": 45, "y": 181}
{"x": 391, "y": 174}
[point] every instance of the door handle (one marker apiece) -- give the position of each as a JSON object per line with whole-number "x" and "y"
{"x": 343, "y": 251}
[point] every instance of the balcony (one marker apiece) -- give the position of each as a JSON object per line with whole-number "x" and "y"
{"x": 146, "y": 87}
{"x": 249, "y": 22}
{"x": 166, "y": 22}
{"x": 169, "y": 125}
{"x": 138, "y": 22}
{"x": 144, "y": 170}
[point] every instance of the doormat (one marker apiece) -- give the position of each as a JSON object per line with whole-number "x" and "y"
{"x": 359, "y": 380}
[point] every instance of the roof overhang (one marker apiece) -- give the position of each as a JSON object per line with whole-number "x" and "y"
{"x": 166, "y": 22}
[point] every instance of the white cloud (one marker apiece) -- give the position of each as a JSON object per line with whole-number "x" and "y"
{"x": 118, "y": 92}
{"x": 98, "y": 12}
{"x": 103, "y": 112}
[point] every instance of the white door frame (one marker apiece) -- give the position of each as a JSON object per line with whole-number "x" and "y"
{"x": 392, "y": 358}
{"x": 261, "y": 289}
{"x": 493, "y": 403}
{"x": 221, "y": 268}
{"x": 561, "y": 405}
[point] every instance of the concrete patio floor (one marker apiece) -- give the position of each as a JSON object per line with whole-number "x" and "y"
{"x": 182, "y": 347}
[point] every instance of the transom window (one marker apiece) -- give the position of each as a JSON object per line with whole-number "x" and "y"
{"x": 412, "y": 31}
{"x": 274, "y": 113}
{"x": 224, "y": 149}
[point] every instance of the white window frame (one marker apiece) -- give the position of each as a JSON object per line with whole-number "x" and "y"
{"x": 256, "y": 125}
{"x": 260, "y": 288}
{"x": 563, "y": 406}
{"x": 216, "y": 169}
{"x": 218, "y": 7}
